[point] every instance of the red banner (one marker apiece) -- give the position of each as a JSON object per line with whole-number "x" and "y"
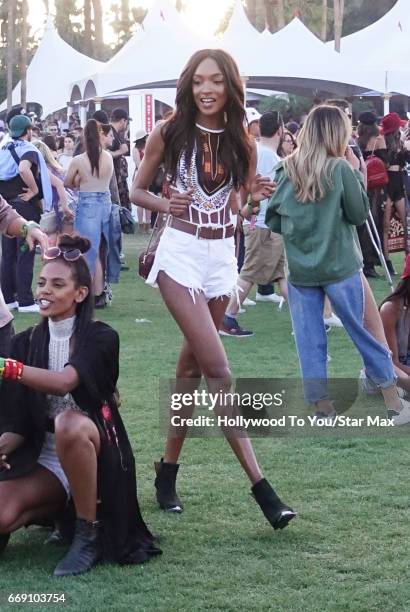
{"x": 149, "y": 112}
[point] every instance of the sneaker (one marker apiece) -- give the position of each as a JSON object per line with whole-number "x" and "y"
{"x": 402, "y": 417}
{"x": 327, "y": 417}
{"x": 333, "y": 321}
{"x": 241, "y": 310}
{"x": 231, "y": 327}
{"x": 366, "y": 385}
{"x": 272, "y": 297}
{"x": 33, "y": 308}
{"x": 12, "y": 305}
{"x": 248, "y": 302}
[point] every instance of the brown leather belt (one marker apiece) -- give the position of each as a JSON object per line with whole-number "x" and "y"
{"x": 200, "y": 231}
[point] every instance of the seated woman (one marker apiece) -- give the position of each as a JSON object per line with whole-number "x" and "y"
{"x": 62, "y": 434}
{"x": 395, "y": 315}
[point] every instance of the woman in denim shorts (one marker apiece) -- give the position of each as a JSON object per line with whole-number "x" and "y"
{"x": 210, "y": 164}
{"x": 91, "y": 173}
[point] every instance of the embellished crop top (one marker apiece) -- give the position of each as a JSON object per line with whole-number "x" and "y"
{"x": 207, "y": 177}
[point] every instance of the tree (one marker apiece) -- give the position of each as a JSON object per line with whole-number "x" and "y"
{"x": 338, "y": 9}
{"x": 67, "y": 24}
{"x": 88, "y": 42}
{"x": 98, "y": 30}
{"x": 24, "y": 46}
{"x": 279, "y": 8}
{"x": 11, "y": 17}
{"x": 324, "y": 20}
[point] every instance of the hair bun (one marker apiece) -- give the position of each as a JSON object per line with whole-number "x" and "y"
{"x": 69, "y": 242}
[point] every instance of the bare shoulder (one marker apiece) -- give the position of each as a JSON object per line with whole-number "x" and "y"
{"x": 391, "y": 310}
{"x": 156, "y": 138}
{"x": 380, "y": 142}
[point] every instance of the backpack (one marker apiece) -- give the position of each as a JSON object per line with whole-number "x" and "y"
{"x": 376, "y": 172}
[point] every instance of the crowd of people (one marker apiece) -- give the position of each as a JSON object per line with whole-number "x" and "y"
{"x": 247, "y": 200}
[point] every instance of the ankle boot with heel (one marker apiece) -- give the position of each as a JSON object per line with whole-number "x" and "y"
{"x": 277, "y": 513}
{"x": 165, "y": 483}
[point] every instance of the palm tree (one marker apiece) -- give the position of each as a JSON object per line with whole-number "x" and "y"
{"x": 98, "y": 29}
{"x": 279, "y": 7}
{"x": 88, "y": 43}
{"x": 11, "y": 17}
{"x": 338, "y": 9}
{"x": 25, "y": 27}
{"x": 324, "y": 20}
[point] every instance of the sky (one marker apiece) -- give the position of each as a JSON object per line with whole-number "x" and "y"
{"x": 201, "y": 15}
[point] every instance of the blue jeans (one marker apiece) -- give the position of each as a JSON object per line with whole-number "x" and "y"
{"x": 93, "y": 221}
{"x": 306, "y": 308}
{"x": 114, "y": 246}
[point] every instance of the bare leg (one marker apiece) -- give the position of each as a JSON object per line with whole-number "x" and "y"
{"x": 372, "y": 319}
{"x": 98, "y": 277}
{"x": 78, "y": 445}
{"x": 386, "y": 226}
{"x": 208, "y": 352}
{"x": 283, "y": 286}
{"x": 327, "y": 310}
{"x": 33, "y": 497}
{"x": 243, "y": 291}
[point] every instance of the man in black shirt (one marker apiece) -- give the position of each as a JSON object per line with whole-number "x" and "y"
{"x": 120, "y": 148}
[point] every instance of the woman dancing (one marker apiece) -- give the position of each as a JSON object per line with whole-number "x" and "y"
{"x": 210, "y": 163}
{"x": 61, "y": 430}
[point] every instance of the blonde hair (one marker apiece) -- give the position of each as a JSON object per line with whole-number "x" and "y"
{"x": 48, "y": 156}
{"x": 323, "y": 138}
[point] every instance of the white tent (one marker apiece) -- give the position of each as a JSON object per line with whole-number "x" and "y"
{"x": 53, "y": 67}
{"x": 383, "y": 49}
{"x": 292, "y": 58}
{"x": 156, "y": 52}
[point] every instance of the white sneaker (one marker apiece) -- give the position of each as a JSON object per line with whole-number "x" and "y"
{"x": 333, "y": 321}
{"x": 366, "y": 385}
{"x": 12, "y": 305}
{"x": 272, "y": 297}
{"x": 34, "y": 308}
{"x": 402, "y": 417}
{"x": 248, "y": 302}
{"x": 241, "y": 310}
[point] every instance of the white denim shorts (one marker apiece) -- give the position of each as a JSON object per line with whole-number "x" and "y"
{"x": 206, "y": 266}
{"x": 49, "y": 459}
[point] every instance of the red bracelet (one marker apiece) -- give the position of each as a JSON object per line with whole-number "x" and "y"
{"x": 12, "y": 370}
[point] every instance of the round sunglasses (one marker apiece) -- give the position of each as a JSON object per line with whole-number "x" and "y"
{"x": 55, "y": 252}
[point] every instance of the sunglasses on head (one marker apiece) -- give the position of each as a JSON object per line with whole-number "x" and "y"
{"x": 55, "y": 252}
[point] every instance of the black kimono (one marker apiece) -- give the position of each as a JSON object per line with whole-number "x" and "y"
{"x": 126, "y": 538}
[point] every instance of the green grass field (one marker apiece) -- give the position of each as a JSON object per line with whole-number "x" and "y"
{"x": 346, "y": 551}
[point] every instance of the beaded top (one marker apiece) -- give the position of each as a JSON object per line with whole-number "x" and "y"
{"x": 206, "y": 176}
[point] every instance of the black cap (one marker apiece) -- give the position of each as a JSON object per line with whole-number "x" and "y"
{"x": 101, "y": 116}
{"x": 118, "y": 114}
{"x": 368, "y": 118}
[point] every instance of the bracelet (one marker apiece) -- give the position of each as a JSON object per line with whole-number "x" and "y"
{"x": 10, "y": 369}
{"x": 26, "y": 227}
{"x": 249, "y": 202}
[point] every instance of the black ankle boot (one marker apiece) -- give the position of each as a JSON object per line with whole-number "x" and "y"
{"x": 4, "y": 540}
{"x": 84, "y": 552}
{"x": 167, "y": 497}
{"x": 277, "y": 513}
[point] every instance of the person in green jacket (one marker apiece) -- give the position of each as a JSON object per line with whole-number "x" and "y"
{"x": 319, "y": 200}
